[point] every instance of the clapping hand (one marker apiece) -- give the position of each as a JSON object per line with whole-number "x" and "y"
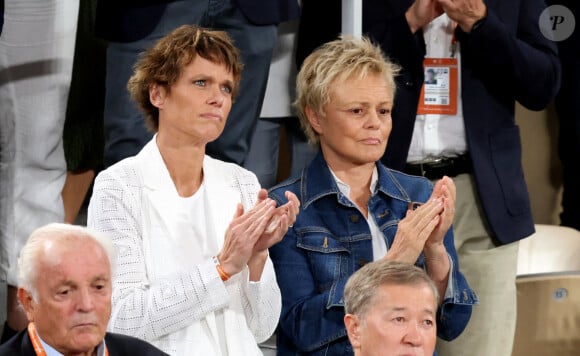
{"x": 283, "y": 218}
{"x": 414, "y": 230}
{"x": 242, "y": 234}
{"x": 445, "y": 191}
{"x": 464, "y": 12}
{"x": 422, "y": 12}
{"x": 251, "y": 233}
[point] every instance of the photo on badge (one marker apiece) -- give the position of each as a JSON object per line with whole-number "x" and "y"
{"x": 430, "y": 77}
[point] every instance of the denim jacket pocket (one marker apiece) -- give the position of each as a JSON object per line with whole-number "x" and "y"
{"x": 329, "y": 260}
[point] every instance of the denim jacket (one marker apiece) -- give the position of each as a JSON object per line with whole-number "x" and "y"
{"x": 329, "y": 241}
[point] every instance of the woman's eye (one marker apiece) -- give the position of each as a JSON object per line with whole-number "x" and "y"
{"x": 199, "y": 82}
{"x": 227, "y": 89}
{"x": 384, "y": 111}
{"x": 357, "y": 111}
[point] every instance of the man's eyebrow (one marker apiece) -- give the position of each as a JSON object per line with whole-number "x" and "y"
{"x": 430, "y": 311}
{"x": 66, "y": 283}
{"x": 398, "y": 309}
{"x": 101, "y": 278}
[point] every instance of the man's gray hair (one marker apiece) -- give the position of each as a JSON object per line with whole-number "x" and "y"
{"x": 361, "y": 288}
{"x": 55, "y": 232}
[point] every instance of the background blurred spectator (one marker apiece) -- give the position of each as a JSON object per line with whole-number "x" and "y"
{"x": 83, "y": 127}
{"x": 36, "y": 59}
{"x": 133, "y": 26}
{"x": 278, "y": 115}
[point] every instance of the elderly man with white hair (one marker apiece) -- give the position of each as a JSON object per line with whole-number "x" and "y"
{"x": 65, "y": 288}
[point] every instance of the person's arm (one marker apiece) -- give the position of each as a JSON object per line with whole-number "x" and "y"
{"x": 442, "y": 265}
{"x": 455, "y": 310}
{"x": 435, "y": 251}
{"x": 439, "y": 259}
{"x": 141, "y": 308}
{"x": 512, "y": 55}
{"x": 284, "y": 216}
{"x": 262, "y": 303}
{"x": 254, "y": 285}
{"x": 260, "y": 294}
{"x": 387, "y": 23}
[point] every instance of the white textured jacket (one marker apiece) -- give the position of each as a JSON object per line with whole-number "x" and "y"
{"x": 159, "y": 295}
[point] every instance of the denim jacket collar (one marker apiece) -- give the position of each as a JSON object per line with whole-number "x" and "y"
{"x": 317, "y": 182}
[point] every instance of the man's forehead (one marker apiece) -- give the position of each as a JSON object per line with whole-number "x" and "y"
{"x": 405, "y": 292}
{"x": 74, "y": 254}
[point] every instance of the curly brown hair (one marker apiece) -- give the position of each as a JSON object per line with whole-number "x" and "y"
{"x": 164, "y": 62}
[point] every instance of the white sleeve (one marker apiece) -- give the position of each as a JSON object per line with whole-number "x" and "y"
{"x": 262, "y": 301}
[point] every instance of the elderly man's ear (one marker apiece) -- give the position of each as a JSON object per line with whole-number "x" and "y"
{"x": 352, "y": 324}
{"x": 27, "y": 302}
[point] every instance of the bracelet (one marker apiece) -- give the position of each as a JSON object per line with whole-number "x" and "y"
{"x": 223, "y": 274}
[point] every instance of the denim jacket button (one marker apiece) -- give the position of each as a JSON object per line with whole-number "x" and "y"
{"x": 354, "y": 218}
{"x": 362, "y": 262}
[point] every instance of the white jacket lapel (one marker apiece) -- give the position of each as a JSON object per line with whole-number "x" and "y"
{"x": 221, "y": 198}
{"x": 160, "y": 196}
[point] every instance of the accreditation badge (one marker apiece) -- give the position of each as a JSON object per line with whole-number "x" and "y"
{"x": 439, "y": 91}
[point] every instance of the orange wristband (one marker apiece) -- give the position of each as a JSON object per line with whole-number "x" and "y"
{"x": 223, "y": 274}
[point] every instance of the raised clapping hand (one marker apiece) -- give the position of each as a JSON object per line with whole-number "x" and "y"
{"x": 445, "y": 190}
{"x": 422, "y": 12}
{"x": 464, "y": 12}
{"x": 424, "y": 228}
{"x": 283, "y": 218}
{"x": 251, "y": 233}
{"x": 414, "y": 230}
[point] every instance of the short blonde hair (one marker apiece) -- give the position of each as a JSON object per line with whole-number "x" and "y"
{"x": 337, "y": 60}
{"x": 164, "y": 62}
{"x": 361, "y": 288}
